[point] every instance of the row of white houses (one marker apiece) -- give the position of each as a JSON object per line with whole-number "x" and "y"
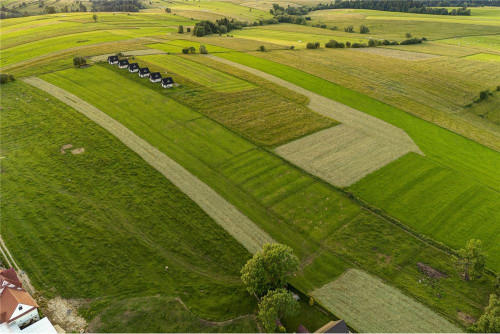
{"x": 144, "y": 72}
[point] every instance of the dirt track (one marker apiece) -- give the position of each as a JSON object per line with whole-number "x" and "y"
{"x": 224, "y": 213}
{"x": 344, "y": 154}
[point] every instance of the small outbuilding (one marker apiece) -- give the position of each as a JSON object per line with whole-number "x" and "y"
{"x": 167, "y": 82}
{"x": 155, "y": 77}
{"x": 144, "y": 72}
{"x": 113, "y": 60}
{"x": 133, "y": 67}
{"x": 123, "y": 63}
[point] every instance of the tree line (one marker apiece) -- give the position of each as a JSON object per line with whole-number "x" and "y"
{"x": 116, "y": 5}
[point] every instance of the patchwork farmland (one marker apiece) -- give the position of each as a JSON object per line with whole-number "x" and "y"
{"x": 375, "y": 165}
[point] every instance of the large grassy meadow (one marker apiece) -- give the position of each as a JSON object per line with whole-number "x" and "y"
{"x": 97, "y": 223}
{"x": 284, "y": 201}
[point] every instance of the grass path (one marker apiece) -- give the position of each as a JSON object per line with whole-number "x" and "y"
{"x": 384, "y": 139}
{"x": 224, "y": 213}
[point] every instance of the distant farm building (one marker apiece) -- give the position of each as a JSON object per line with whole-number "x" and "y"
{"x": 133, "y": 67}
{"x": 338, "y": 326}
{"x": 144, "y": 72}
{"x": 155, "y": 77}
{"x": 167, "y": 82}
{"x": 18, "y": 310}
{"x": 123, "y": 63}
{"x": 113, "y": 60}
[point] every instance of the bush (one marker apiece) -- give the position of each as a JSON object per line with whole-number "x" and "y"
{"x": 192, "y": 49}
{"x": 394, "y": 43}
{"x": 358, "y": 45}
{"x": 424, "y": 39}
{"x": 386, "y": 42}
{"x": 293, "y": 47}
{"x": 334, "y": 44}
{"x": 408, "y": 35}
{"x": 203, "y": 49}
{"x": 483, "y": 95}
{"x": 323, "y": 26}
{"x": 372, "y": 42}
{"x": 4, "y": 78}
{"x": 79, "y": 61}
{"x": 311, "y": 301}
{"x": 347, "y": 44}
{"x": 334, "y": 28}
{"x": 364, "y": 29}
{"x": 349, "y": 29}
{"x": 199, "y": 31}
{"x": 180, "y": 30}
{"x": 498, "y": 88}
{"x": 311, "y": 45}
{"x": 188, "y": 29}
{"x": 185, "y": 50}
{"x": 262, "y": 48}
{"x": 222, "y": 29}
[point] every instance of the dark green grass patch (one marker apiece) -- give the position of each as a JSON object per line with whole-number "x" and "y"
{"x": 103, "y": 223}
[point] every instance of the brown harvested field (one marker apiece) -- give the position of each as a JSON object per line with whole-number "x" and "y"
{"x": 341, "y": 155}
{"x": 398, "y": 54}
{"x": 221, "y": 211}
{"x": 345, "y": 146}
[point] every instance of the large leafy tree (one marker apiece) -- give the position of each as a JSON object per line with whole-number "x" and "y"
{"x": 472, "y": 259}
{"x": 269, "y": 269}
{"x": 276, "y": 305}
{"x": 490, "y": 320}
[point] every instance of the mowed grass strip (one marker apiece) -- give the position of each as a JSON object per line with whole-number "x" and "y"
{"x": 204, "y": 75}
{"x": 99, "y": 222}
{"x": 484, "y": 57}
{"x": 370, "y": 305}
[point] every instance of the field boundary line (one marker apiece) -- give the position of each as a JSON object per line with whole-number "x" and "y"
{"x": 221, "y": 211}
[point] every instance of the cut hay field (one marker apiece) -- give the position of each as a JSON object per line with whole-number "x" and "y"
{"x": 203, "y": 75}
{"x": 378, "y": 303}
{"x": 176, "y": 46}
{"x": 282, "y": 200}
{"x": 458, "y": 156}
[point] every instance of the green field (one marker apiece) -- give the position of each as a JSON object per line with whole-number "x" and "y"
{"x": 282, "y": 200}
{"x": 484, "y": 57}
{"x": 203, "y": 75}
{"x": 106, "y": 199}
{"x": 458, "y": 155}
{"x": 378, "y": 303}
{"x": 100, "y": 227}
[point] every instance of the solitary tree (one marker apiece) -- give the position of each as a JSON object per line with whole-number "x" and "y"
{"x": 180, "y": 30}
{"x": 262, "y": 48}
{"x": 185, "y": 50}
{"x": 192, "y": 49}
{"x": 364, "y": 29}
{"x": 276, "y": 305}
{"x": 489, "y": 322}
{"x": 471, "y": 259}
{"x": 408, "y": 35}
{"x": 94, "y": 17}
{"x": 203, "y": 49}
{"x": 269, "y": 269}
{"x": 168, "y": 10}
{"x": 349, "y": 29}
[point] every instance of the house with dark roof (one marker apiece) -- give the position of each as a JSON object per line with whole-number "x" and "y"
{"x": 17, "y": 307}
{"x": 123, "y": 63}
{"x": 155, "y": 77}
{"x": 167, "y": 82}
{"x": 338, "y": 326}
{"x": 133, "y": 67}
{"x": 113, "y": 60}
{"x": 144, "y": 72}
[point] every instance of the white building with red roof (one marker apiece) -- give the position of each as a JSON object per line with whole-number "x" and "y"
{"x": 17, "y": 308}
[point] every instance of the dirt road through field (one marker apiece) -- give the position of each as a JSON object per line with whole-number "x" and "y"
{"x": 345, "y": 153}
{"x": 224, "y": 213}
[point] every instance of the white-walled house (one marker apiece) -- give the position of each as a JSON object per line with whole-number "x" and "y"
{"x": 144, "y": 72}
{"x": 167, "y": 82}
{"x": 17, "y": 307}
{"x": 155, "y": 77}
